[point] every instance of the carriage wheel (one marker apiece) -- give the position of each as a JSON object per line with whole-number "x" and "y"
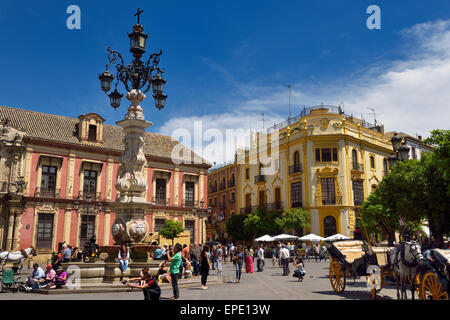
{"x": 432, "y": 289}
{"x": 337, "y": 277}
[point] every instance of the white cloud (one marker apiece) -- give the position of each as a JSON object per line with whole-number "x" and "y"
{"x": 411, "y": 95}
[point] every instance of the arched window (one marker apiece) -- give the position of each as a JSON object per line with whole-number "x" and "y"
{"x": 329, "y": 226}
{"x": 374, "y": 187}
{"x": 385, "y": 166}
{"x": 372, "y": 162}
{"x": 296, "y": 159}
{"x": 232, "y": 181}
{"x": 354, "y": 160}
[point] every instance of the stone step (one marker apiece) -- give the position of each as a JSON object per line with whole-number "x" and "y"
{"x": 114, "y": 287}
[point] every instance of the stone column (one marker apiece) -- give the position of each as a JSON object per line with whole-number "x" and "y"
{"x": 130, "y": 225}
{"x": 9, "y": 237}
{"x": 106, "y": 227}
{"x": 15, "y": 242}
{"x": 67, "y": 221}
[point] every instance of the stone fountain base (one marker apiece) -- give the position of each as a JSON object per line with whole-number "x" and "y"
{"x": 107, "y": 271}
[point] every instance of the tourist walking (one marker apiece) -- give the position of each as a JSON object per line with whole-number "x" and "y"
{"x": 284, "y": 257}
{"x": 219, "y": 256}
{"x": 238, "y": 261}
{"x": 124, "y": 258}
{"x": 260, "y": 259}
{"x": 249, "y": 260}
{"x": 204, "y": 266}
{"x": 317, "y": 251}
{"x": 213, "y": 257}
{"x": 274, "y": 256}
{"x": 175, "y": 263}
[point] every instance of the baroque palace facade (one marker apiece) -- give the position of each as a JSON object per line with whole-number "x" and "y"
{"x": 57, "y": 177}
{"x": 327, "y": 163}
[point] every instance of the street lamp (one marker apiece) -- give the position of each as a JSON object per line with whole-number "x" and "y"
{"x": 137, "y": 74}
{"x": 401, "y": 150}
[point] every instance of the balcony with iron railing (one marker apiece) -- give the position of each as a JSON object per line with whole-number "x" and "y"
{"x": 161, "y": 201}
{"x": 296, "y": 168}
{"x": 93, "y": 196}
{"x": 357, "y": 166}
{"x": 231, "y": 183}
{"x": 46, "y": 193}
{"x": 212, "y": 190}
{"x": 275, "y": 206}
{"x": 222, "y": 186}
{"x": 329, "y": 201}
{"x": 260, "y": 178}
{"x": 190, "y": 204}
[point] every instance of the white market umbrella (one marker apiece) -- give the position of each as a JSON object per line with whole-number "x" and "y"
{"x": 312, "y": 237}
{"x": 265, "y": 238}
{"x": 337, "y": 236}
{"x": 285, "y": 237}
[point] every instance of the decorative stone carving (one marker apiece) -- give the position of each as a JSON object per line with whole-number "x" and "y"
{"x": 131, "y": 182}
{"x": 137, "y": 229}
{"x": 324, "y": 123}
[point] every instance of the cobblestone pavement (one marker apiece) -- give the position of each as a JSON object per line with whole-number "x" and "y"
{"x": 266, "y": 285}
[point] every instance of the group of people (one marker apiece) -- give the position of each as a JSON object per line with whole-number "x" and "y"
{"x": 50, "y": 279}
{"x": 67, "y": 253}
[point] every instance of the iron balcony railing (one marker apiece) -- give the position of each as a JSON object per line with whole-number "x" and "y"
{"x": 46, "y": 193}
{"x": 212, "y": 190}
{"x": 161, "y": 201}
{"x": 222, "y": 186}
{"x": 93, "y": 196}
{"x": 190, "y": 204}
{"x": 357, "y": 166}
{"x": 231, "y": 183}
{"x": 296, "y": 168}
{"x": 327, "y": 201}
{"x": 275, "y": 206}
{"x": 260, "y": 178}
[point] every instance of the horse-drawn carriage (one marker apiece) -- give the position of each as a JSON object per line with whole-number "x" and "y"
{"x": 355, "y": 258}
{"x": 434, "y": 276}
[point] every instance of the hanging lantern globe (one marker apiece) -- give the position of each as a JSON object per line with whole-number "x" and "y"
{"x": 158, "y": 84}
{"x": 115, "y": 97}
{"x": 106, "y": 79}
{"x": 160, "y": 100}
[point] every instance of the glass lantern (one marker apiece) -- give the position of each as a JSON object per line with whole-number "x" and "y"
{"x": 106, "y": 79}
{"x": 115, "y": 98}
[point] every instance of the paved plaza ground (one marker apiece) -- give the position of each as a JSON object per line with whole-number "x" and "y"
{"x": 266, "y": 285}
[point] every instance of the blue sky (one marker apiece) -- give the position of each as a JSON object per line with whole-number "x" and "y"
{"x": 227, "y": 61}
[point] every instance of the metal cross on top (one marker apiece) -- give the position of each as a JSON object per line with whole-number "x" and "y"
{"x": 138, "y": 13}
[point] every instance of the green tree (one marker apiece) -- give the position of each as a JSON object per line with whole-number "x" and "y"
{"x": 435, "y": 196}
{"x": 235, "y": 228}
{"x": 293, "y": 219}
{"x": 171, "y": 230}
{"x": 260, "y": 222}
{"x": 377, "y": 217}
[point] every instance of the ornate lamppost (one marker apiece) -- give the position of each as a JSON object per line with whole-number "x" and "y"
{"x": 130, "y": 225}
{"x": 401, "y": 150}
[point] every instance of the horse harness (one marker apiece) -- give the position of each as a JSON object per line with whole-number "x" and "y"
{"x": 403, "y": 259}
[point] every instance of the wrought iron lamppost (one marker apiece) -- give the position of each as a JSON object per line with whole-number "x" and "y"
{"x": 130, "y": 225}
{"x": 401, "y": 150}
{"x": 137, "y": 74}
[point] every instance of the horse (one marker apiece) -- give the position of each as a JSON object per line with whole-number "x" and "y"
{"x": 17, "y": 257}
{"x": 406, "y": 260}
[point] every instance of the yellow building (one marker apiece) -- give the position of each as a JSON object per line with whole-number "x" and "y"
{"x": 327, "y": 162}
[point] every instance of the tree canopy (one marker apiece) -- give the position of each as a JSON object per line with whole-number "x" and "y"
{"x": 171, "y": 229}
{"x": 293, "y": 219}
{"x": 415, "y": 190}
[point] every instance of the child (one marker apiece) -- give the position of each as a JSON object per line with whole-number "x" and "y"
{"x": 300, "y": 271}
